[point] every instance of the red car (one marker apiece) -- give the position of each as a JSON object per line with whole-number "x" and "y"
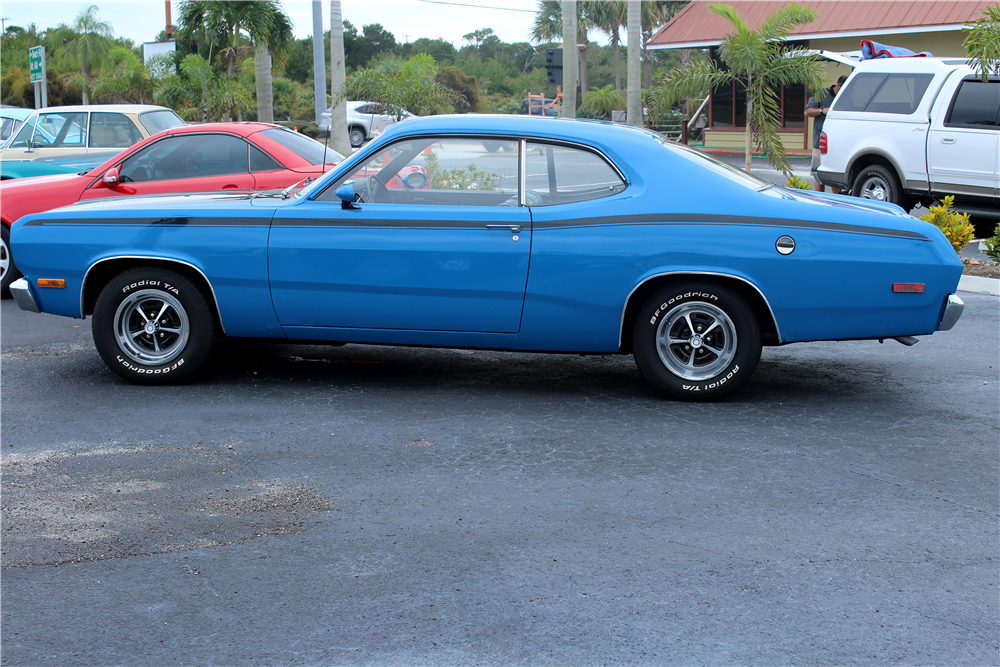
{"x": 187, "y": 158}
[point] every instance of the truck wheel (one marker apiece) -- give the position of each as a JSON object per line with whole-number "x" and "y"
{"x": 696, "y": 341}
{"x": 153, "y": 326}
{"x": 880, "y": 183}
{"x": 8, "y": 270}
{"x": 357, "y": 136}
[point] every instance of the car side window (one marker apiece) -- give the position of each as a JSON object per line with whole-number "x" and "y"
{"x": 976, "y": 105}
{"x": 61, "y": 130}
{"x": 112, "y": 130}
{"x": 900, "y": 94}
{"x": 559, "y": 174}
{"x": 187, "y": 156}
{"x": 437, "y": 171}
{"x": 24, "y": 135}
{"x": 261, "y": 161}
{"x": 7, "y": 129}
{"x": 859, "y": 91}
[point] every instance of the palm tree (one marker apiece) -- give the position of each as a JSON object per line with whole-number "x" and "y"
{"x": 339, "y": 137}
{"x": 604, "y": 101}
{"x": 982, "y": 42}
{"x": 124, "y": 79}
{"x": 225, "y": 21}
{"x": 90, "y": 44}
{"x": 548, "y": 27}
{"x": 609, "y": 16}
{"x": 760, "y": 62}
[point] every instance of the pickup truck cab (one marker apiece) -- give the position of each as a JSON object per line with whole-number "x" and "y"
{"x": 908, "y": 130}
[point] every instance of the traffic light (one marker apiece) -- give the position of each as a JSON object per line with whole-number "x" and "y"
{"x": 554, "y": 66}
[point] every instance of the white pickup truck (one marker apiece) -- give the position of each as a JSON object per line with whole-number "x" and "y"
{"x": 908, "y": 130}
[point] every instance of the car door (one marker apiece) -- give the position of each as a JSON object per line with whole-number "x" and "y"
{"x": 963, "y": 152}
{"x": 436, "y": 242}
{"x": 207, "y": 162}
{"x": 49, "y": 135}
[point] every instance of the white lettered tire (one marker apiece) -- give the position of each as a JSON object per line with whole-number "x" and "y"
{"x": 153, "y": 326}
{"x": 696, "y": 341}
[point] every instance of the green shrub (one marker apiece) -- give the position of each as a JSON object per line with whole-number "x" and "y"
{"x": 798, "y": 183}
{"x": 955, "y": 226}
{"x": 993, "y": 245}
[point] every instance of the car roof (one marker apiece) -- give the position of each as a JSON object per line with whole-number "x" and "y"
{"x": 116, "y": 108}
{"x": 242, "y": 128}
{"x": 566, "y": 129}
{"x": 16, "y": 113}
{"x": 912, "y": 64}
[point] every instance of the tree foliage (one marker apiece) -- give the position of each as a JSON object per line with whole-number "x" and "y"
{"x": 409, "y": 86}
{"x": 760, "y": 62}
{"x": 982, "y": 42}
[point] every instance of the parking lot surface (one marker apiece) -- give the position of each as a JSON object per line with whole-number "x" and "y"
{"x": 364, "y": 505}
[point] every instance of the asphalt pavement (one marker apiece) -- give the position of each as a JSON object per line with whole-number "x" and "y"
{"x": 364, "y": 505}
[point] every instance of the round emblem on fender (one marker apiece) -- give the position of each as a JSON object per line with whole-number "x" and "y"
{"x": 785, "y": 245}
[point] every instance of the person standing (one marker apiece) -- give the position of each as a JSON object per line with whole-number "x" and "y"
{"x": 817, "y": 110}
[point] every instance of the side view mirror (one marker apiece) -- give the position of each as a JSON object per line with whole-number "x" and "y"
{"x": 347, "y": 197}
{"x": 111, "y": 177}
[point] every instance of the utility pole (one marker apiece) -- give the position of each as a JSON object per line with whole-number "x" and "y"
{"x": 319, "y": 59}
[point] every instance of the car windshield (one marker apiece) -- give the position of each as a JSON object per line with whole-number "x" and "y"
{"x": 308, "y": 149}
{"x": 721, "y": 168}
{"x": 157, "y": 121}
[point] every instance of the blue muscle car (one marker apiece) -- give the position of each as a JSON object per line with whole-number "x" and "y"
{"x": 563, "y": 236}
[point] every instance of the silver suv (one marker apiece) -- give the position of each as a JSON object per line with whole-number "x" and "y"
{"x": 364, "y": 121}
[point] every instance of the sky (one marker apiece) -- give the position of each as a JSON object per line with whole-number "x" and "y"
{"x": 408, "y": 20}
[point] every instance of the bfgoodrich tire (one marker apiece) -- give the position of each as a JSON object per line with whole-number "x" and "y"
{"x": 153, "y": 326}
{"x": 696, "y": 341}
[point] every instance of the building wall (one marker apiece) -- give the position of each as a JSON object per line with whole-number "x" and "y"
{"x": 940, "y": 44}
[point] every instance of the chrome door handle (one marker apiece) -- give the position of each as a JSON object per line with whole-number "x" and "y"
{"x": 513, "y": 228}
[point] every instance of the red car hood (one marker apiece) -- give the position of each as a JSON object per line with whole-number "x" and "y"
{"x": 21, "y": 196}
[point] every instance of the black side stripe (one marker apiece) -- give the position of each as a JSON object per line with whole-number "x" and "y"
{"x": 646, "y": 219}
{"x": 710, "y": 219}
{"x": 156, "y": 222}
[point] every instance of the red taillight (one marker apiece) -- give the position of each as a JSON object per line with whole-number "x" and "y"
{"x": 917, "y": 288}
{"x": 822, "y": 143}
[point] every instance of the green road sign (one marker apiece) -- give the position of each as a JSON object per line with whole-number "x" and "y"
{"x": 36, "y": 60}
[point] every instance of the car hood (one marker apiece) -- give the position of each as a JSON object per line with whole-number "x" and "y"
{"x": 20, "y": 184}
{"x": 172, "y": 205}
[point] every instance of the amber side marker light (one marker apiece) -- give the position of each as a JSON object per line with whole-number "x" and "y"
{"x": 917, "y": 288}
{"x": 51, "y": 282}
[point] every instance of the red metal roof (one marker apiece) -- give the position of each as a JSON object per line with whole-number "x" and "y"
{"x": 697, "y": 25}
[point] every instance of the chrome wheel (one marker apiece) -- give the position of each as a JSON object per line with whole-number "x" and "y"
{"x": 875, "y": 187}
{"x": 151, "y": 327}
{"x": 357, "y": 137}
{"x": 696, "y": 341}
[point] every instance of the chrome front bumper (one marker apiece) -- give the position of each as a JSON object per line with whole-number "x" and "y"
{"x": 952, "y": 311}
{"x": 25, "y": 300}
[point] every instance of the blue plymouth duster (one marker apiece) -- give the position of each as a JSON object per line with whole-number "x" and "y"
{"x": 502, "y": 233}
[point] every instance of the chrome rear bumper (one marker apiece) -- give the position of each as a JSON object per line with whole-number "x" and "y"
{"x": 952, "y": 311}
{"x": 25, "y": 300}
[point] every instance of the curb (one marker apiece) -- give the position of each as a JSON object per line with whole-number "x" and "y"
{"x": 980, "y": 285}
